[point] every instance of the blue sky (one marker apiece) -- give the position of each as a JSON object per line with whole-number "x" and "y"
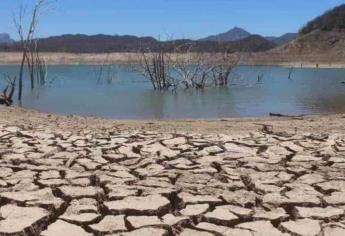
{"x": 177, "y": 18}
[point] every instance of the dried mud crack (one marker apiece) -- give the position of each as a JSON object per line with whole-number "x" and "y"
{"x": 136, "y": 182}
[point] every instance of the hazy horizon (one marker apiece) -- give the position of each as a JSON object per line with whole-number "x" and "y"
{"x": 190, "y": 19}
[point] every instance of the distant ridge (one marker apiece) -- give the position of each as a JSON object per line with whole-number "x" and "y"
{"x": 80, "y": 43}
{"x": 284, "y": 39}
{"x": 5, "y": 38}
{"x": 237, "y": 33}
{"x": 234, "y": 34}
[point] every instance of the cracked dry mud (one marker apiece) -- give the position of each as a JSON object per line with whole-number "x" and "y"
{"x": 144, "y": 183}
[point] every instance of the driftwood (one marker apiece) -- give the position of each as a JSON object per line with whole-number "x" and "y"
{"x": 282, "y": 115}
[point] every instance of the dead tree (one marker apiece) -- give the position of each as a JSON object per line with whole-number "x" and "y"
{"x": 191, "y": 68}
{"x": 155, "y": 66}
{"x": 290, "y": 72}
{"x": 107, "y": 71}
{"x": 6, "y": 98}
{"x": 28, "y": 42}
{"x": 221, "y": 72}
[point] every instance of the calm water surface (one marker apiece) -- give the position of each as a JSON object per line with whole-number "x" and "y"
{"x": 75, "y": 90}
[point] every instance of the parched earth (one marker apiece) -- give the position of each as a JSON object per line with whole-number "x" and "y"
{"x": 115, "y": 182}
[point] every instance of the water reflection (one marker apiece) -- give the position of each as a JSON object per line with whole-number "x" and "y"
{"x": 75, "y": 90}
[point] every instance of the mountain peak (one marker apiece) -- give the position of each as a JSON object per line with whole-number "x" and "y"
{"x": 233, "y": 34}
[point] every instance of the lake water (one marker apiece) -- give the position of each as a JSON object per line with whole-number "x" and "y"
{"x": 75, "y": 89}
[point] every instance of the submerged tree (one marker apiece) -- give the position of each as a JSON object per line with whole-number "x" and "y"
{"x": 29, "y": 45}
{"x": 154, "y": 65}
{"x": 172, "y": 64}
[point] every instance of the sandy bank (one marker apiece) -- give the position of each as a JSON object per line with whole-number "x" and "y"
{"x": 325, "y": 123}
{"x": 12, "y": 58}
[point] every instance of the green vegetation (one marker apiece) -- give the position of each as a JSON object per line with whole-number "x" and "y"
{"x": 331, "y": 20}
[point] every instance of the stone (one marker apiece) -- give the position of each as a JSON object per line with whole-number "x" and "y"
{"x": 61, "y": 228}
{"x": 305, "y": 227}
{"x": 17, "y": 220}
{"x": 110, "y": 224}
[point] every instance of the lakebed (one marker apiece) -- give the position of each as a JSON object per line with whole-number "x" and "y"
{"x": 95, "y": 176}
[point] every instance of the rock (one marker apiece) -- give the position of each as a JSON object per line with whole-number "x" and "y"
{"x": 61, "y": 228}
{"x": 17, "y": 220}
{"x": 110, "y": 224}
{"x": 305, "y": 227}
{"x": 152, "y": 205}
{"x": 319, "y": 213}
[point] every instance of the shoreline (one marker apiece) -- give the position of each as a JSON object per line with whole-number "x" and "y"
{"x": 260, "y": 59}
{"x": 331, "y": 123}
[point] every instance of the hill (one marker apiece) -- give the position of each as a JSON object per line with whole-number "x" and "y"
{"x": 284, "y": 39}
{"x": 229, "y": 36}
{"x": 317, "y": 43}
{"x": 237, "y": 33}
{"x": 5, "y": 38}
{"x": 107, "y": 43}
{"x": 331, "y": 20}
